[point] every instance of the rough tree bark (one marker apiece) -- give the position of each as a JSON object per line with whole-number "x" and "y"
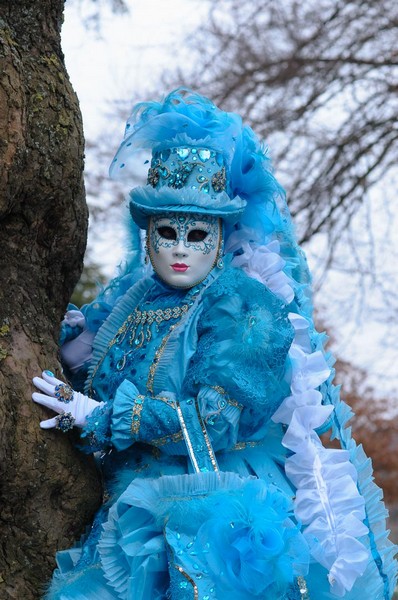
{"x": 48, "y": 490}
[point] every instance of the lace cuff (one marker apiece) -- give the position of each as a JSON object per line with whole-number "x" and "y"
{"x": 97, "y": 429}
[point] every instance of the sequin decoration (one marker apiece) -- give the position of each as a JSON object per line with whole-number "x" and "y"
{"x": 136, "y": 416}
{"x": 220, "y": 390}
{"x": 153, "y": 177}
{"x": 178, "y": 177}
{"x": 209, "y": 447}
{"x": 138, "y": 325}
{"x": 173, "y": 167}
{"x": 158, "y": 354}
{"x": 191, "y": 581}
{"x": 302, "y": 584}
{"x": 167, "y": 439}
{"x": 218, "y": 180}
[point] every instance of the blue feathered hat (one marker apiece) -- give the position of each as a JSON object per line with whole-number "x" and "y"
{"x": 205, "y": 160}
{"x": 192, "y": 145}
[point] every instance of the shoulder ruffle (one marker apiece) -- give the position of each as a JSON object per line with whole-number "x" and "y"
{"x": 263, "y": 263}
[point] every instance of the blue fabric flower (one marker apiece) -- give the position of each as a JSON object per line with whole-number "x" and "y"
{"x": 250, "y": 545}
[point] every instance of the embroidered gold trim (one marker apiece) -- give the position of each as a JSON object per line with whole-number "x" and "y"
{"x": 138, "y": 324}
{"x": 156, "y": 358}
{"x": 235, "y": 403}
{"x": 207, "y": 440}
{"x": 144, "y": 317}
{"x": 174, "y": 438}
{"x": 230, "y": 401}
{"x": 191, "y": 581}
{"x": 187, "y": 438}
{"x": 168, "y": 401}
{"x": 243, "y": 445}
{"x": 303, "y": 589}
{"x": 218, "y": 389}
{"x": 136, "y": 416}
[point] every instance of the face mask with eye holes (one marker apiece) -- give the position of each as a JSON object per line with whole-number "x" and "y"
{"x": 184, "y": 248}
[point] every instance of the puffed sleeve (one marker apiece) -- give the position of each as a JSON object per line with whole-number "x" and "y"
{"x": 137, "y": 417}
{"x": 239, "y": 370}
{"x": 131, "y": 417}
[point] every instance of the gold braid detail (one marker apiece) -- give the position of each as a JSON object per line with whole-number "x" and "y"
{"x": 136, "y": 416}
{"x": 191, "y": 581}
{"x": 175, "y": 437}
{"x": 155, "y": 363}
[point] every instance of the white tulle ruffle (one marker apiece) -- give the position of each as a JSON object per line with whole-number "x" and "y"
{"x": 263, "y": 263}
{"x": 327, "y": 503}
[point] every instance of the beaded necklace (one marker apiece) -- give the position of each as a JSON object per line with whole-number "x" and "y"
{"x": 137, "y": 328}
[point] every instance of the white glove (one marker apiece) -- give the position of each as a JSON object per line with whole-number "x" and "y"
{"x": 72, "y": 407}
{"x": 75, "y": 318}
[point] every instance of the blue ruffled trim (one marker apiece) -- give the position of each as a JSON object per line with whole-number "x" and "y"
{"x": 383, "y": 551}
{"x": 230, "y": 533}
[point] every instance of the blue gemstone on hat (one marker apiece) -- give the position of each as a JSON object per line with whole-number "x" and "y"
{"x": 183, "y": 153}
{"x": 204, "y": 154}
{"x": 163, "y": 172}
{"x": 164, "y": 154}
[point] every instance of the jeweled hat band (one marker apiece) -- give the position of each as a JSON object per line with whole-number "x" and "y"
{"x": 200, "y": 169}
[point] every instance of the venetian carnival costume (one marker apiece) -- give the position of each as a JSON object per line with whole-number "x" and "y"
{"x": 204, "y": 402}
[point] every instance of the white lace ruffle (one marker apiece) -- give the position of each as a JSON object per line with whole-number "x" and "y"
{"x": 327, "y": 503}
{"x": 263, "y": 263}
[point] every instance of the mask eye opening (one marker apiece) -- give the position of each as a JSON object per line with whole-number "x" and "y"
{"x": 197, "y": 235}
{"x": 168, "y": 233}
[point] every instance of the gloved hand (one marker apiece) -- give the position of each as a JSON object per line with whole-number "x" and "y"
{"x": 73, "y": 407}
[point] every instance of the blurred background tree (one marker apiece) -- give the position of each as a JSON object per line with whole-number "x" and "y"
{"x": 318, "y": 81}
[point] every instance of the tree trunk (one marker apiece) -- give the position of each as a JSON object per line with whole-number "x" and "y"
{"x": 48, "y": 490}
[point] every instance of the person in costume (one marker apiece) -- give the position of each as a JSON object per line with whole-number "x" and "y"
{"x": 202, "y": 386}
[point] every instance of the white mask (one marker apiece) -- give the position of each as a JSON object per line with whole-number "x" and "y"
{"x": 184, "y": 247}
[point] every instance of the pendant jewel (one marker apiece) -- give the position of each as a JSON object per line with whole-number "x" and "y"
{"x": 138, "y": 325}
